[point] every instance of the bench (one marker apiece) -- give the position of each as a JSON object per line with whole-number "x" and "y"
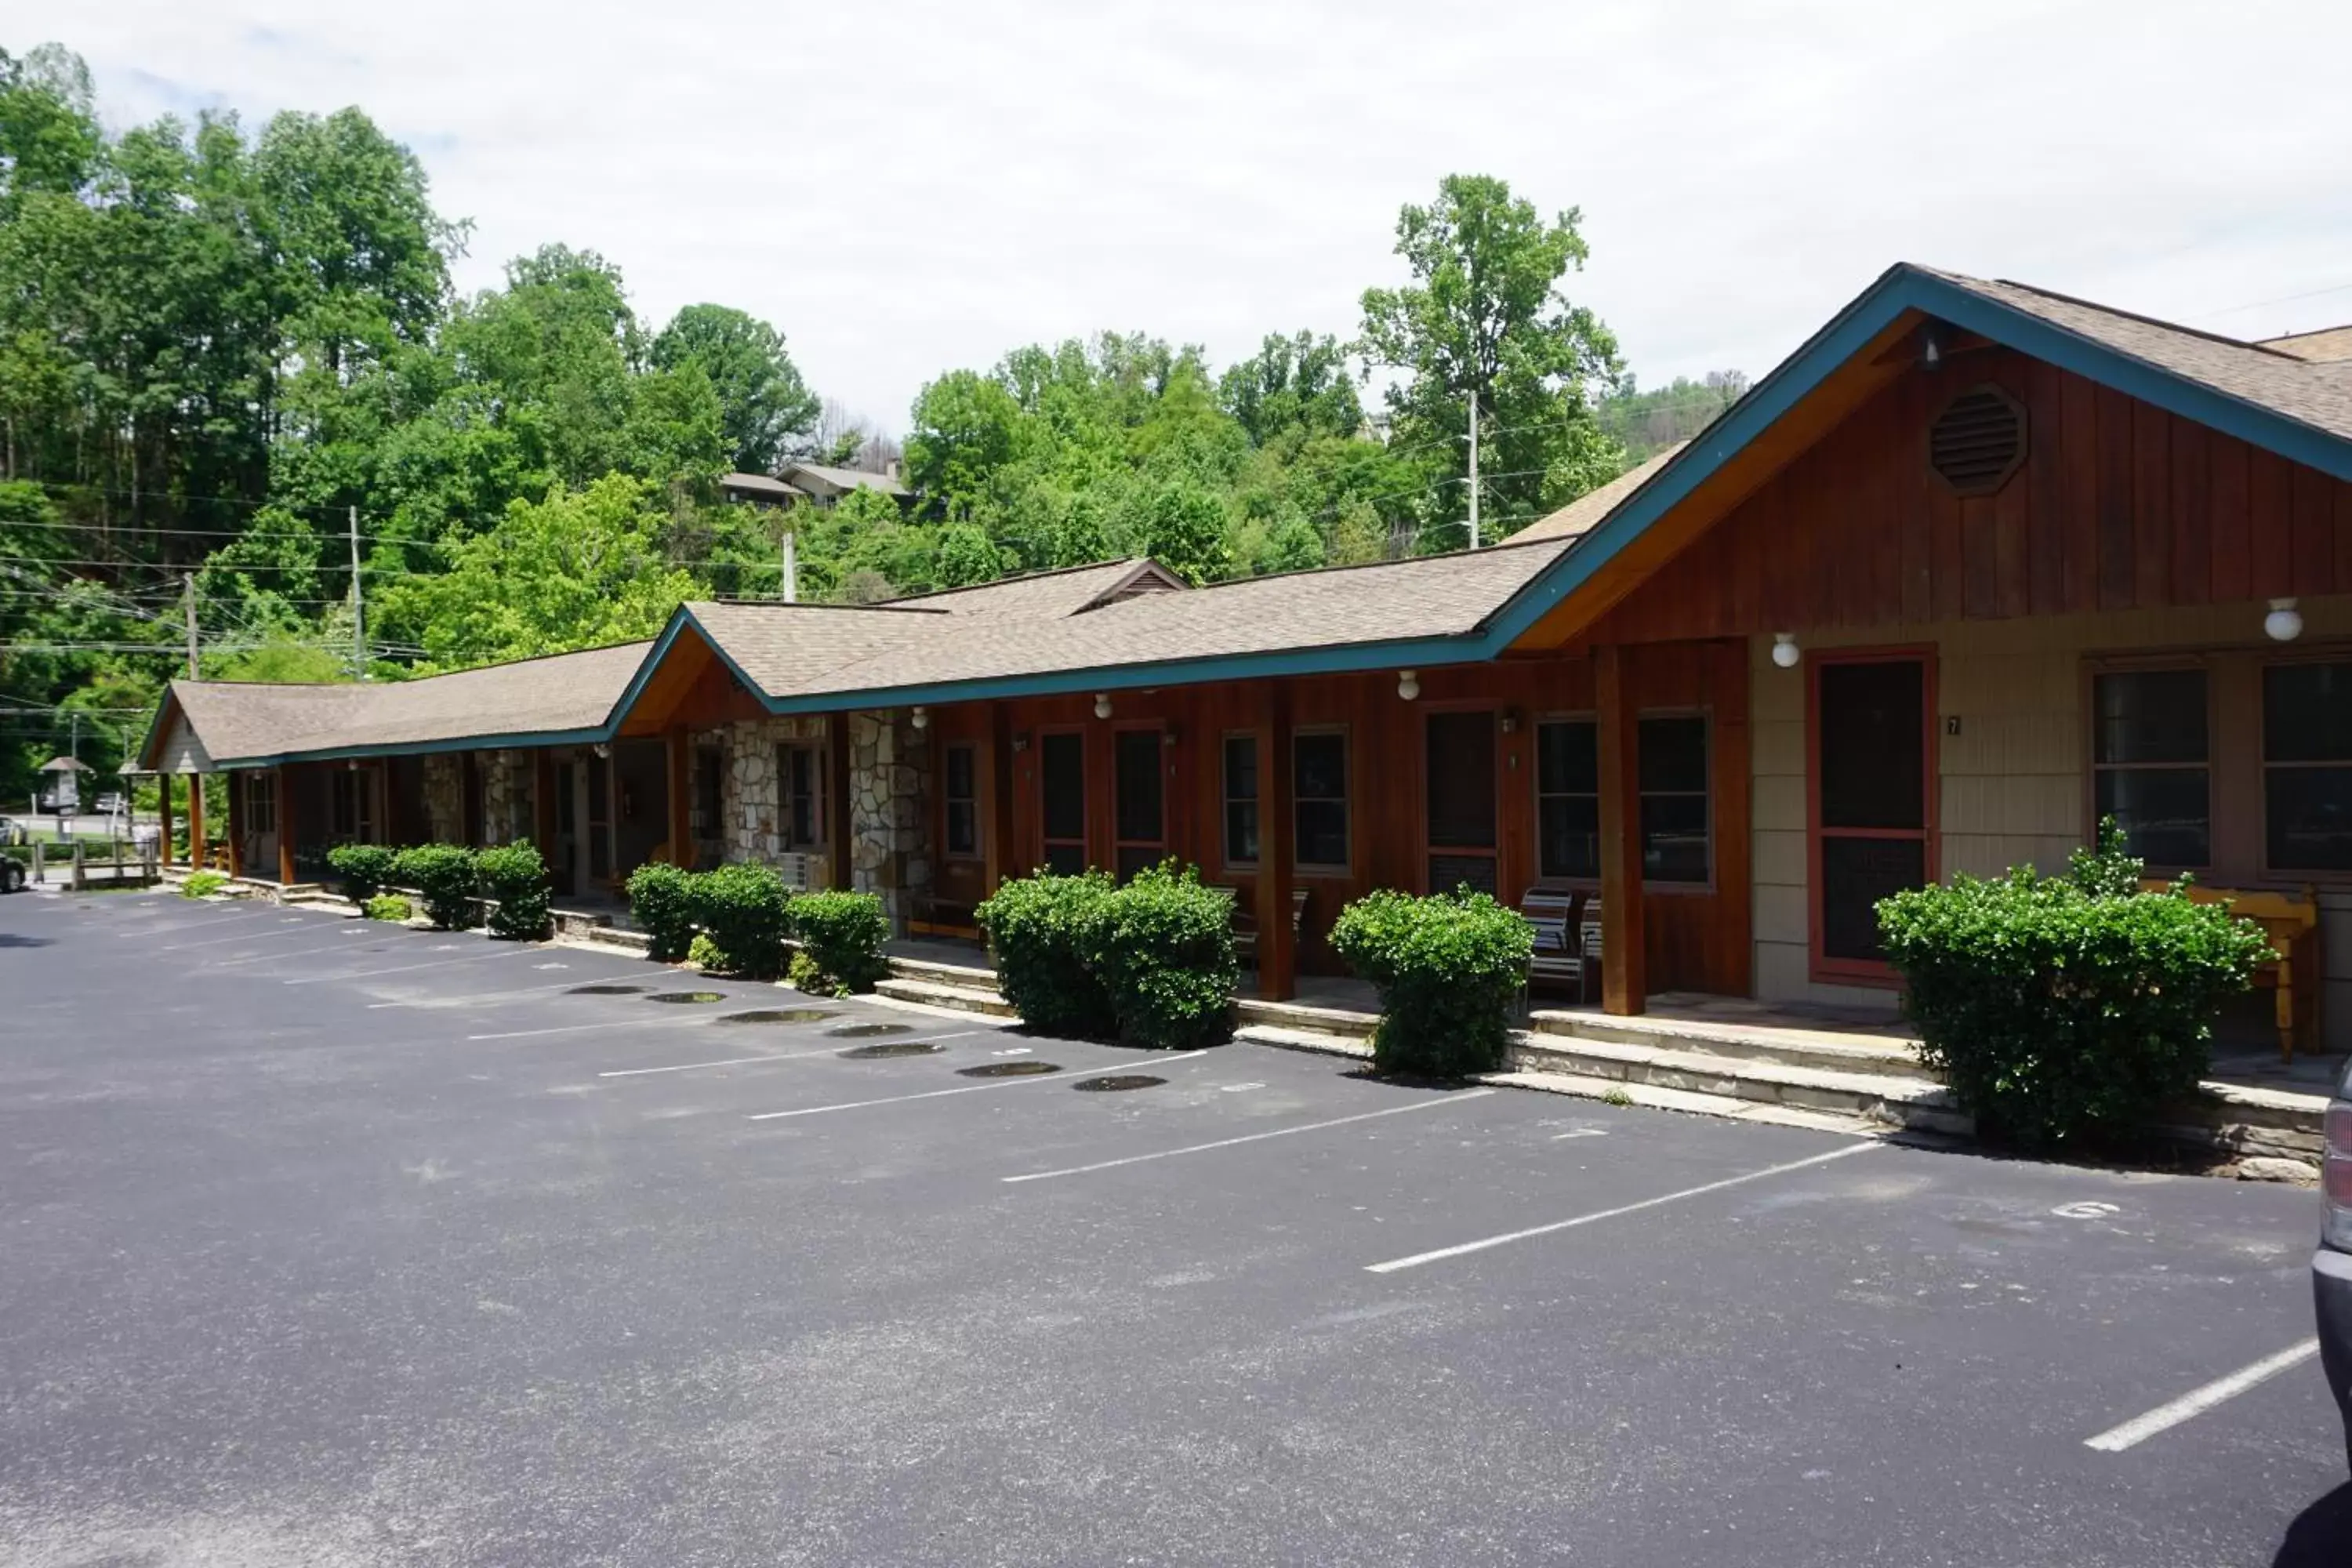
{"x": 2291, "y": 921}
{"x": 1567, "y": 938}
{"x": 943, "y": 917}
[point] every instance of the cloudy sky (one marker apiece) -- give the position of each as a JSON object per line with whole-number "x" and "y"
{"x": 910, "y": 187}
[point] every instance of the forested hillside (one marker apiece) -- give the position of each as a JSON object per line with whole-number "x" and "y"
{"x": 234, "y": 375}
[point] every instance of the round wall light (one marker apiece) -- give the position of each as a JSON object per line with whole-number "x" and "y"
{"x": 1102, "y": 704}
{"x": 1785, "y": 652}
{"x": 919, "y": 717}
{"x": 1408, "y": 684}
{"x": 2284, "y": 623}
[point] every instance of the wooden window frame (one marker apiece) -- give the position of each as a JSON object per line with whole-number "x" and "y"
{"x": 1085, "y": 840}
{"x": 2216, "y": 781}
{"x": 2323, "y": 654}
{"x": 787, "y": 795}
{"x": 1704, "y": 887}
{"x": 1536, "y": 793}
{"x": 1347, "y": 799}
{"x": 947, "y": 801}
{"x": 355, "y": 786}
{"x": 1876, "y": 973}
{"x": 1227, "y": 800}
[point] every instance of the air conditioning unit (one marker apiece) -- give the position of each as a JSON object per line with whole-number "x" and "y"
{"x": 798, "y": 871}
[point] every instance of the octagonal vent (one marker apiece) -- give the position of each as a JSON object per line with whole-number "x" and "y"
{"x": 1978, "y": 441}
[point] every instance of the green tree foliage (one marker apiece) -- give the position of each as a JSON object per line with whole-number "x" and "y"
{"x": 1485, "y": 315}
{"x": 1645, "y": 422}
{"x": 766, "y": 411}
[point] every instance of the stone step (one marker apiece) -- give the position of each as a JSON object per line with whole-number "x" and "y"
{"x": 971, "y": 976}
{"x": 1321, "y": 1042}
{"x": 1874, "y": 1056}
{"x": 1339, "y": 1021}
{"x": 1895, "y": 1100}
{"x": 936, "y": 994}
{"x": 1648, "y": 1097}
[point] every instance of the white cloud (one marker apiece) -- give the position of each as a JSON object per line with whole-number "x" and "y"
{"x": 907, "y": 188}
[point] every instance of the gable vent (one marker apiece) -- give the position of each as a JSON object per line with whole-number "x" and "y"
{"x": 1978, "y": 441}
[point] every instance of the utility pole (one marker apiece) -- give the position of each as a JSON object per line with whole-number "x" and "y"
{"x": 73, "y": 747}
{"x": 791, "y": 570}
{"x": 359, "y": 606}
{"x": 188, "y": 602}
{"x": 1474, "y": 467}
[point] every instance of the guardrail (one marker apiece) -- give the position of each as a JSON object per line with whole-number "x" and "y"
{"x": 87, "y": 862}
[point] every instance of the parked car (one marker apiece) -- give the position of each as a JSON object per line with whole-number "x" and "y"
{"x": 2331, "y": 1266}
{"x": 12, "y": 831}
{"x": 11, "y": 874}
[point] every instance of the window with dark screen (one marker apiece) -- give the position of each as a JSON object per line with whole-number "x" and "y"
{"x": 2151, "y": 762}
{"x": 2307, "y": 767}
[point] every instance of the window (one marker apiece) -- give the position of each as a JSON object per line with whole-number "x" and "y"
{"x": 1062, "y": 800}
{"x": 2307, "y": 767}
{"x": 1320, "y": 802}
{"x": 261, "y": 802}
{"x": 1458, "y": 798}
{"x": 962, "y": 791}
{"x": 351, "y": 799}
{"x": 2150, "y": 763}
{"x": 709, "y": 781}
{"x": 1241, "y": 800}
{"x": 799, "y": 772}
{"x": 1567, "y": 799}
{"x": 1673, "y": 777}
{"x": 1139, "y": 793}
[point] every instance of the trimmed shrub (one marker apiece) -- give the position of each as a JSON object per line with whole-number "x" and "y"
{"x": 841, "y": 936}
{"x": 1039, "y": 930}
{"x": 514, "y": 879}
{"x": 746, "y": 911}
{"x": 805, "y": 975}
{"x": 201, "y": 884}
{"x": 704, "y": 954}
{"x": 1449, "y": 969}
{"x": 389, "y": 907}
{"x": 1162, "y": 950}
{"x": 2064, "y": 1010}
{"x": 366, "y": 868}
{"x": 442, "y": 875}
{"x": 662, "y": 905}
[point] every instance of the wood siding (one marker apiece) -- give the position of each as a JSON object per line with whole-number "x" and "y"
{"x": 2117, "y": 506}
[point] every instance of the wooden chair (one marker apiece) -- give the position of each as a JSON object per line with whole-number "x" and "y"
{"x": 1568, "y": 938}
{"x": 1246, "y": 924}
{"x": 2291, "y": 921}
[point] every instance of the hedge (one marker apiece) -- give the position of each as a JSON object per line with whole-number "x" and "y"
{"x": 1039, "y": 930}
{"x": 660, "y": 905}
{"x": 746, "y": 912}
{"x": 442, "y": 875}
{"x": 1162, "y": 948}
{"x": 201, "y": 884}
{"x": 841, "y": 936}
{"x": 514, "y": 879}
{"x": 2064, "y": 1010}
{"x": 388, "y": 906}
{"x": 1449, "y": 969}
{"x": 366, "y": 868}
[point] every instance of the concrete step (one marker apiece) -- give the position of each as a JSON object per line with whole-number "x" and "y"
{"x": 934, "y": 994}
{"x": 1249, "y": 1011}
{"x": 1321, "y": 1042}
{"x": 1895, "y": 1100}
{"x": 1890, "y": 1056}
{"x": 970, "y": 978}
{"x": 1648, "y": 1097}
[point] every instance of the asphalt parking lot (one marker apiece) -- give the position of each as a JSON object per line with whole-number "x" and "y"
{"x": 324, "y": 1243}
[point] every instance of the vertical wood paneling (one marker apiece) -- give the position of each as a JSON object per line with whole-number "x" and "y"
{"x": 2151, "y": 507}
{"x": 2270, "y": 505}
{"x": 1980, "y": 559}
{"x": 2227, "y": 463}
{"x": 2078, "y": 524}
{"x": 2315, "y": 545}
{"x": 2192, "y": 515}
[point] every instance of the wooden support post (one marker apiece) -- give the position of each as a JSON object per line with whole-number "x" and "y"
{"x": 1278, "y": 947}
{"x": 836, "y": 800}
{"x": 163, "y": 799}
{"x": 285, "y": 794}
{"x": 235, "y": 823}
{"x": 1624, "y": 978}
{"x": 997, "y": 823}
{"x": 681, "y": 799}
{"x": 197, "y": 822}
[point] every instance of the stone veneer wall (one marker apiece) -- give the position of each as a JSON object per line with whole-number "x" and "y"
{"x": 506, "y": 796}
{"x": 889, "y": 822}
{"x": 445, "y": 797}
{"x": 753, "y": 793}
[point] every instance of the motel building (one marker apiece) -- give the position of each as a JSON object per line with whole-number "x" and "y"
{"x": 1975, "y": 566}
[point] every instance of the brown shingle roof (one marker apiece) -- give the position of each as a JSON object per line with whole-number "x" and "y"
{"x": 1593, "y": 505}
{"x": 1040, "y": 595}
{"x": 2326, "y": 347}
{"x": 240, "y": 722}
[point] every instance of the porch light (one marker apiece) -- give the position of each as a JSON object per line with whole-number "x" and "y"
{"x": 1408, "y": 684}
{"x": 1785, "y": 652}
{"x": 919, "y": 717}
{"x": 2284, "y": 623}
{"x": 1102, "y": 704}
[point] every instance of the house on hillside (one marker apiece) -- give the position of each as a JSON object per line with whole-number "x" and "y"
{"x": 815, "y": 484}
{"x": 1978, "y": 564}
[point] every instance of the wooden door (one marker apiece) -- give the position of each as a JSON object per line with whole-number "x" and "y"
{"x": 1139, "y": 796}
{"x": 1061, "y": 800}
{"x": 1459, "y": 816}
{"x": 1872, "y": 806}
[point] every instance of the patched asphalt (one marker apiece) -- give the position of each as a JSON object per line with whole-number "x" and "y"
{"x": 327, "y": 1244}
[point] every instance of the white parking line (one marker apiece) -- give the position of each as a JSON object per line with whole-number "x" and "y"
{"x": 249, "y": 934}
{"x": 2198, "y": 1400}
{"x": 357, "y": 930}
{"x": 1441, "y": 1254}
{"x": 1248, "y": 1138}
{"x": 936, "y": 1093}
{"x": 641, "y": 1021}
{"x": 400, "y": 969}
{"x": 518, "y": 991}
{"x": 213, "y": 922}
{"x": 775, "y": 1057}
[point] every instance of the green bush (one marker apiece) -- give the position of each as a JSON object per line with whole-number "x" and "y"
{"x": 1162, "y": 949}
{"x": 1449, "y": 969}
{"x": 442, "y": 875}
{"x": 705, "y": 954}
{"x": 661, "y": 904}
{"x": 841, "y": 934}
{"x": 389, "y": 907}
{"x": 807, "y": 975}
{"x": 201, "y": 884}
{"x": 514, "y": 879}
{"x": 1039, "y": 928}
{"x": 2066, "y": 1009}
{"x": 746, "y": 912}
{"x": 366, "y": 868}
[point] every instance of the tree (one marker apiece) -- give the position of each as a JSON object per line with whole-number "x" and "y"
{"x": 1180, "y": 524}
{"x": 1484, "y": 315}
{"x": 766, "y": 411}
{"x": 1298, "y": 382}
